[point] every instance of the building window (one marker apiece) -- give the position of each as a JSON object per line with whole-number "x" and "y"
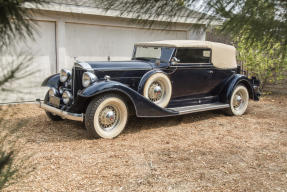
{"x": 193, "y": 55}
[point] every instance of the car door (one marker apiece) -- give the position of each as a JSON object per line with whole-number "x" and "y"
{"x": 191, "y": 76}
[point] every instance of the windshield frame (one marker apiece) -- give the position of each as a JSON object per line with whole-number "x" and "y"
{"x": 152, "y": 59}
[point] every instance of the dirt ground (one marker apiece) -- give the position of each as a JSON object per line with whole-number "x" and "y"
{"x": 207, "y": 151}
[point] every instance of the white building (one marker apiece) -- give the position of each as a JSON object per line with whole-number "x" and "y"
{"x": 68, "y": 30}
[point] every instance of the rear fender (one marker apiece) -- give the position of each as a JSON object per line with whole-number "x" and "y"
{"x": 143, "y": 107}
{"x": 52, "y": 81}
{"x": 237, "y": 79}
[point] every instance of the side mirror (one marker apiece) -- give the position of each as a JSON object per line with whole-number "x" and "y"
{"x": 174, "y": 61}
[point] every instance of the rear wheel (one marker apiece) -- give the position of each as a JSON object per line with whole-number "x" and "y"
{"x": 106, "y": 116}
{"x": 49, "y": 114}
{"x": 239, "y": 101}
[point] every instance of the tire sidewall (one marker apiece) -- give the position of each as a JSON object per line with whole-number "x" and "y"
{"x": 123, "y": 118}
{"x": 243, "y": 110}
{"x": 167, "y": 88}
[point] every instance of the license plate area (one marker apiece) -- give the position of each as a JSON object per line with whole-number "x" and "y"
{"x": 55, "y": 101}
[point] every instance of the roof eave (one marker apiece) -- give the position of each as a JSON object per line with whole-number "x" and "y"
{"x": 112, "y": 13}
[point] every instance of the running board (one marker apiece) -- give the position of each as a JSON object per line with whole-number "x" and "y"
{"x": 199, "y": 108}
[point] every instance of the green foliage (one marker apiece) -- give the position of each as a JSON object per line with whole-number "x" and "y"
{"x": 265, "y": 64}
{"x": 13, "y": 165}
{"x": 6, "y": 170}
{"x": 147, "y": 12}
{"x": 15, "y": 20}
{"x": 263, "y": 21}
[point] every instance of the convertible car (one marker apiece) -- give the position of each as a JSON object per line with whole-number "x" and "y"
{"x": 163, "y": 78}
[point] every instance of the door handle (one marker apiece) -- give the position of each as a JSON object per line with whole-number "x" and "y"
{"x": 210, "y": 71}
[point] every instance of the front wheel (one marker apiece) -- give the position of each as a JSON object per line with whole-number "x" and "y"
{"x": 239, "y": 101}
{"x": 106, "y": 116}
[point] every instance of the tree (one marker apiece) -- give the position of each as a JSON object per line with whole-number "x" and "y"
{"x": 15, "y": 24}
{"x": 262, "y": 21}
{"x": 257, "y": 20}
{"x": 262, "y": 63}
{"x": 15, "y": 21}
{"x": 258, "y": 28}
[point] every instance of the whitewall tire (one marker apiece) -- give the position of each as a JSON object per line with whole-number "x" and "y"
{"x": 158, "y": 89}
{"x": 106, "y": 116}
{"x": 239, "y": 101}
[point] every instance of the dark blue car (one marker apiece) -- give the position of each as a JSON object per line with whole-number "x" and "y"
{"x": 163, "y": 78}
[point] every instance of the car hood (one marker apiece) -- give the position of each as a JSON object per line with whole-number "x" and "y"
{"x": 120, "y": 65}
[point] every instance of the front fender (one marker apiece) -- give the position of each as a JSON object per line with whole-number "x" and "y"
{"x": 225, "y": 96}
{"x": 143, "y": 106}
{"x": 51, "y": 81}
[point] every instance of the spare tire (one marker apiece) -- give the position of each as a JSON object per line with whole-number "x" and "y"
{"x": 158, "y": 89}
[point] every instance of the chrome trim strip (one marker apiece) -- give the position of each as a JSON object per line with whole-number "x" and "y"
{"x": 83, "y": 65}
{"x": 123, "y": 68}
{"x": 63, "y": 114}
{"x": 199, "y": 108}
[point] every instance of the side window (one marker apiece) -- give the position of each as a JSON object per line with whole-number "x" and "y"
{"x": 193, "y": 55}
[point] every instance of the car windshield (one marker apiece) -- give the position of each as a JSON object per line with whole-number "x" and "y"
{"x": 148, "y": 53}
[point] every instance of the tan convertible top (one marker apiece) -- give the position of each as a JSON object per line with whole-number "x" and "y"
{"x": 223, "y": 56}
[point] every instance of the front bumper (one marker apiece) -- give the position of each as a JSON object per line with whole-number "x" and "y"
{"x": 61, "y": 113}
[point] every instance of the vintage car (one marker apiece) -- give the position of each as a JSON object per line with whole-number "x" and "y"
{"x": 163, "y": 78}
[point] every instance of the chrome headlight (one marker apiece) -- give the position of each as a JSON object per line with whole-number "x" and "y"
{"x": 67, "y": 97}
{"x": 88, "y": 78}
{"x": 64, "y": 75}
{"x": 53, "y": 92}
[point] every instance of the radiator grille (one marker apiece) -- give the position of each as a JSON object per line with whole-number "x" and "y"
{"x": 77, "y": 80}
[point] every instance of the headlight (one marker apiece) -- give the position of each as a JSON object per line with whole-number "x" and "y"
{"x": 88, "y": 78}
{"x": 53, "y": 92}
{"x": 67, "y": 97}
{"x": 64, "y": 75}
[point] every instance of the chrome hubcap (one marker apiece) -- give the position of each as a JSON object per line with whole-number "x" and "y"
{"x": 238, "y": 100}
{"x": 108, "y": 118}
{"x": 155, "y": 92}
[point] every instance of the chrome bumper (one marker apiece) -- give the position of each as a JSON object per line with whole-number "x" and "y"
{"x": 59, "y": 112}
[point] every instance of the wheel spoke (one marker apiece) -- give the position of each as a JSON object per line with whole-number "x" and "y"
{"x": 109, "y": 117}
{"x": 238, "y": 101}
{"x": 155, "y": 91}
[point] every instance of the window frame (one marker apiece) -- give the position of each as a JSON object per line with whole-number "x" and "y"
{"x": 167, "y": 61}
{"x": 210, "y": 64}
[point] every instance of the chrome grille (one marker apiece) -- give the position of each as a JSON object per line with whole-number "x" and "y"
{"x": 77, "y": 80}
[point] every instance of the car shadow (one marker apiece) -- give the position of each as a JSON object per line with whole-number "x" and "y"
{"x": 136, "y": 124}
{"x": 40, "y": 129}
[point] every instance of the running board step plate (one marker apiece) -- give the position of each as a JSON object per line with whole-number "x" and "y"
{"x": 199, "y": 108}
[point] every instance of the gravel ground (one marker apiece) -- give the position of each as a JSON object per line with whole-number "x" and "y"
{"x": 206, "y": 151}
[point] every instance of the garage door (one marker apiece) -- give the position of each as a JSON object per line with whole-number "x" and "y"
{"x": 93, "y": 42}
{"x": 42, "y": 51}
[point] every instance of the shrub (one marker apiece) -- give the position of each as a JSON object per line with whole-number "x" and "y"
{"x": 266, "y": 64}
